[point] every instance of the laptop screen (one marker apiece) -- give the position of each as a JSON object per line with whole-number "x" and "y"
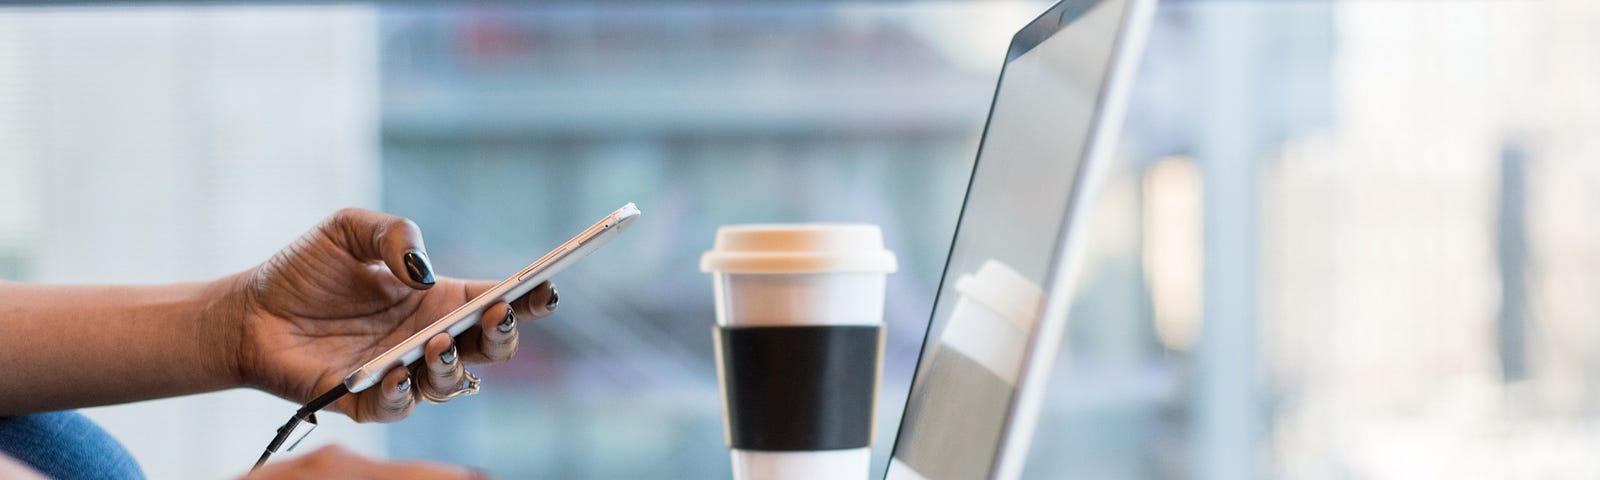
{"x": 994, "y": 283}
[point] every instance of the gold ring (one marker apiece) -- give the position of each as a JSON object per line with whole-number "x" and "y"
{"x": 468, "y": 387}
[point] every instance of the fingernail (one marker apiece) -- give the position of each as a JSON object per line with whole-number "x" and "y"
{"x": 449, "y": 356}
{"x": 404, "y": 385}
{"x": 555, "y": 300}
{"x": 509, "y": 323}
{"x": 418, "y": 268}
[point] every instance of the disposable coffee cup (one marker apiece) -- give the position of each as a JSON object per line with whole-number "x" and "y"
{"x": 799, "y": 343}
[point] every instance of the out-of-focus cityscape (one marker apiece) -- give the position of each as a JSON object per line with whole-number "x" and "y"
{"x": 1343, "y": 239}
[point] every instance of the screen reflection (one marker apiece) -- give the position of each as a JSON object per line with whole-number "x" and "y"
{"x": 994, "y": 284}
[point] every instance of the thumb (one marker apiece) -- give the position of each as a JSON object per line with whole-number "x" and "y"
{"x": 379, "y": 237}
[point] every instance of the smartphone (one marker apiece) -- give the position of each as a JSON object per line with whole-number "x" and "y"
{"x": 510, "y": 289}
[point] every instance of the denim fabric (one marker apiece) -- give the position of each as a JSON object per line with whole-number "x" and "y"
{"x": 66, "y": 446}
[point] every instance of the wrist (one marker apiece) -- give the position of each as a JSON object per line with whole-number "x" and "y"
{"x": 223, "y": 327}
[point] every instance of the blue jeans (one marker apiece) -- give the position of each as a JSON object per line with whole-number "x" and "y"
{"x": 66, "y": 446}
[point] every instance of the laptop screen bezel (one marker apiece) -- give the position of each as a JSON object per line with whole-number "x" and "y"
{"x": 1011, "y": 451}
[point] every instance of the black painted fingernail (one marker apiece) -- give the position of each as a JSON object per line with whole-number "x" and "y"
{"x": 555, "y": 300}
{"x": 449, "y": 356}
{"x": 509, "y": 323}
{"x": 404, "y": 385}
{"x": 418, "y": 268}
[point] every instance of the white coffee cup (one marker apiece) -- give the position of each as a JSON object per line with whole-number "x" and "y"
{"x": 798, "y": 286}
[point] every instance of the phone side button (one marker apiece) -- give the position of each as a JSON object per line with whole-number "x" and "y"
{"x": 554, "y": 256}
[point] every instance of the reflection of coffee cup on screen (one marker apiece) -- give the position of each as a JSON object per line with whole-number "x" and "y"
{"x": 799, "y": 341}
{"x": 965, "y": 381}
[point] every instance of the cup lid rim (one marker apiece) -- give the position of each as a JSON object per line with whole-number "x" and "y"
{"x": 798, "y": 248}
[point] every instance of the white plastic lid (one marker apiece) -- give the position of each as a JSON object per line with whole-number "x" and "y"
{"x": 799, "y": 248}
{"x": 1000, "y": 288}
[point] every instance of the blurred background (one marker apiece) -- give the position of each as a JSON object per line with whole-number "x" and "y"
{"x": 1341, "y": 240}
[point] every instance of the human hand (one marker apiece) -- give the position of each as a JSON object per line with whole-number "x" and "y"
{"x": 336, "y": 462}
{"x": 351, "y": 288}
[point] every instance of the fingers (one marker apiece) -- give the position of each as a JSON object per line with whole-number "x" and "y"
{"x": 537, "y": 303}
{"x": 443, "y": 371}
{"x": 392, "y": 399}
{"x": 494, "y": 339}
{"x": 377, "y": 237}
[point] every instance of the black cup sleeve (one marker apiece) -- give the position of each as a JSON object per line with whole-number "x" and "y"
{"x": 799, "y": 388}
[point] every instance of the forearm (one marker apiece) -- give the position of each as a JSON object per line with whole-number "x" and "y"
{"x": 66, "y": 347}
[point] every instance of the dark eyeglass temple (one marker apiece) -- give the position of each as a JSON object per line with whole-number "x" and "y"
{"x": 307, "y": 413}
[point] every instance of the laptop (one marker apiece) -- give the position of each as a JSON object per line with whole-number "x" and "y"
{"x": 1001, "y": 308}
